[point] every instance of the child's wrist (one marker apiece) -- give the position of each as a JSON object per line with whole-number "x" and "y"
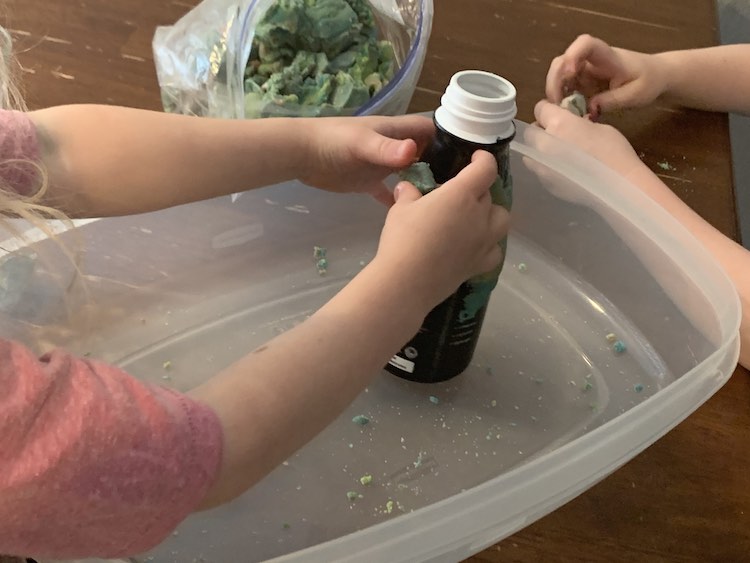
{"x": 666, "y": 71}
{"x": 407, "y": 280}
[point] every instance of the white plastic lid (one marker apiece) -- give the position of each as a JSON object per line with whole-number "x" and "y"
{"x": 478, "y": 106}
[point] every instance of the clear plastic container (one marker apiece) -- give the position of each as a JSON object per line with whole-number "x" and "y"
{"x": 546, "y": 409}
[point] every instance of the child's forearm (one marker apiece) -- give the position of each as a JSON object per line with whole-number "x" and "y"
{"x": 713, "y": 79}
{"x": 731, "y": 256}
{"x": 105, "y": 160}
{"x": 274, "y": 400}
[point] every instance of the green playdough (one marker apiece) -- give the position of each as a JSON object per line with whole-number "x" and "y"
{"x": 421, "y": 176}
{"x": 316, "y": 58}
{"x": 501, "y": 190}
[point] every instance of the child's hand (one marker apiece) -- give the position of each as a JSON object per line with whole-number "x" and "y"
{"x": 603, "y": 142}
{"x": 611, "y": 78}
{"x": 356, "y": 154}
{"x": 433, "y": 243}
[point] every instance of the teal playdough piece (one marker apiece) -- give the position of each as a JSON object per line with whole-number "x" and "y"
{"x": 420, "y": 175}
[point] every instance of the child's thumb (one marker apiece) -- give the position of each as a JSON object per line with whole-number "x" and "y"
{"x": 405, "y": 192}
{"x": 383, "y": 151}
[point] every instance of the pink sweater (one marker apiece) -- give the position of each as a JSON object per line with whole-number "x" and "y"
{"x": 92, "y": 461}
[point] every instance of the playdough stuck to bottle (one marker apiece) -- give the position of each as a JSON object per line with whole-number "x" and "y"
{"x": 476, "y": 113}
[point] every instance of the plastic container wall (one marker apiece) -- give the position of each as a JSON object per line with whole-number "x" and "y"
{"x": 546, "y": 410}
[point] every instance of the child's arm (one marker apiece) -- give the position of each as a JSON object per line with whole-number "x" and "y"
{"x": 106, "y": 160}
{"x": 609, "y": 146}
{"x": 715, "y": 78}
{"x": 95, "y": 463}
{"x": 277, "y": 398}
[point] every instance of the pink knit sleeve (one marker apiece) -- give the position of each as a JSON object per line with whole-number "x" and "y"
{"x": 19, "y": 148}
{"x": 95, "y": 462}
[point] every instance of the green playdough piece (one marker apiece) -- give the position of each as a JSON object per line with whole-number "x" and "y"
{"x": 361, "y": 420}
{"x": 315, "y": 58}
{"x": 501, "y": 190}
{"x": 420, "y": 175}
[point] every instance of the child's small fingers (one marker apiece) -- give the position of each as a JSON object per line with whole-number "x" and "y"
{"x": 477, "y": 177}
{"x": 555, "y": 81}
{"x": 549, "y": 115}
{"x": 405, "y": 192}
{"x": 499, "y": 222}
{"x": 492, "y": 259}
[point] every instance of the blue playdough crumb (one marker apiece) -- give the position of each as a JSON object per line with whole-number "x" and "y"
{"x": 434, "y": 400}
{"x": 638, "y": 387}
{"x": 361, "y": 419}
{"x": 619, "y": 347}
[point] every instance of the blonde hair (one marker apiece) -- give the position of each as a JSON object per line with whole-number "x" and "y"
{"x": 12, "y": 204}
{"x": 30, "y": 207}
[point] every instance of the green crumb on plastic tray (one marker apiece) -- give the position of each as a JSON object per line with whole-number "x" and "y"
{"x": 588, "y": 386}
{"x": 619, "y": 347}
{"x": 420, "y": 458}
{"x": 322, "y": 266}
{"x": 522, "y": 267}
{"x": 361, "y": 419}
{"x": 353, "y": 495}
{"x": 319, "y": 252}
{"x": 434, "y": 400}
{"x": 167, "y": 365}
{"x": 638, "y": 387}
{"x": 286, "y": 526}
{"x": 366, "y": 479}
{"x": 389, "y": 506}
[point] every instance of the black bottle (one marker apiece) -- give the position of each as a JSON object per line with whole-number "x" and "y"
{"x": 476, "y": 113}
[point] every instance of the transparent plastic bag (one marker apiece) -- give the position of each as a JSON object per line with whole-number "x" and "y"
{"x": 201, "y": 60}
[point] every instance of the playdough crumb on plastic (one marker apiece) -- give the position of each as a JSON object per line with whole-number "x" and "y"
{"x": 361, "y": 419}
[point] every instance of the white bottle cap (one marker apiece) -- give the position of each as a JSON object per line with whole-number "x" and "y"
{"x": 478, "y": 106}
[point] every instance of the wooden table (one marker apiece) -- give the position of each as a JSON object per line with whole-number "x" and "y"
{"x": 687, "y": 498}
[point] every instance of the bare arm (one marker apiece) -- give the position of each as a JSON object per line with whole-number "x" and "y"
{"x": 734, "y": 258}
{"x": 713, "y": 79}
{"x": 274, "y": 400}
{"x": 609, "y": 146}
{"x": 107, "y": 160}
